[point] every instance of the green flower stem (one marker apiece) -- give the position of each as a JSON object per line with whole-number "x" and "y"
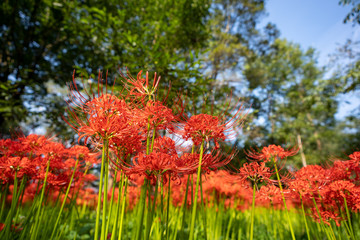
{"x": 305, "y": 221}
{"x": 322, "y": 222}
{"x": 64, "y": 201}
{"x": 153, "y": 139}
{"x": 105, "y": 196}
{"x": 283, "y": 197}
{"x": 31, "y": 214}
{"x": 53, "y": 213}
{"x": 193, "y": 216}
{"x": 123, "y": 202}
{"x": 103, "y": 161}
{"x": 232, "y": 216}
{"x": 252, "y": 213}
{"x": 203, "y": 209}
{"x": 83, "y": 210}
{"x": 111, "y": 202}
{"x": 147, "y": 210}
{"x": 177, "y": 223}
{"x": 168, "y": 208}
{"x": 148, "y": 138}
{"x": 152, "y": 211}
{"x": 73, "y": 199}
{"x": 348, "y": 231}
{"x": 115, "y": 225}
{"x": 349, "y": 220}
{"x": 3, "y": 195}
{"x": 272, "y": 219}
{"x": 141, "y": 209}
{"x": 20, "y": 196}
{"x": 185, "y": 203}
{"x": 161, "y": 201}
{"x": 10, "y": 215}
{"x": 192, "y": 189}
{"x": 188, "y": 183}
{"x": 37, "y": 220}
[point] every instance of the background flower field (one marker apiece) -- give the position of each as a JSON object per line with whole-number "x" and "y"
{"x": 161, "y": 177}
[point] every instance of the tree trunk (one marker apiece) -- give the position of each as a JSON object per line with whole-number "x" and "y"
{"x": 303, "y": 158}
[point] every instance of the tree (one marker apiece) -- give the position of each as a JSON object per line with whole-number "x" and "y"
{"x": 294, "y": 100}
{"x": 354, "y": 14}
{"x": 43, "y": 40}
{"x": 346, "y": 72}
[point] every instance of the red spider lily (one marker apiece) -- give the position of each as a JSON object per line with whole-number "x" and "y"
{"x": 87, "y": 197}
{"x": 133, "y": 194}
{"x": 53, "y": 149}
{"x": 165, "y": 145}
{"x": 204, "y": 127}
{"x": 155, "y": 116}
{"x": 55, "y": 154}
{"x": 343, "y": 170}
{"x": 78, "y": 99}
{"x": 153, "y": 166}
{"x": 271, "y": 151}
{"x": 314, "y": 174}
{"x": 56, "y": 180}
{"x": 101, "y": 118}
{"x": 128, "y": 143}
{"x": 88, "y": 178}
{"x": 337, "y": 191}
{"x": 326, "y": 215}
{"x": 162, "y": 162}
{"x": 189, "y": 162}
{"x": 216, "y": 159}
{"x": 5, "y": 146}
{"x": 84, "y": 154}
{"x": 269, "y": 194}
{"x": 299, "y": 187}
{"x": 347, "y": 169}
{"x": 355, "y": 156}
{"x": 33, "y": 142}
{"x": 139, "y": 87}
{"x": 219, "y": 185}
{"x": 23, "y": 146}
{"x": 107, "y": 117}
{"x": 21, "y": 165}
{"x": 255, "y": 172}
{"x": 14, "y": 227}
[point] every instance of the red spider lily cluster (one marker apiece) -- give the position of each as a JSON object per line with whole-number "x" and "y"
{"x": 329, "y": 188}
{"x": 157, "y": 149}
{"x": 136, "y": 126}
{"x": 25, "y": 159}
{"x": 328, "y": 191}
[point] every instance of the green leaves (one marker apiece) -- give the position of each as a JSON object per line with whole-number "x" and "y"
{"x": 51, "y": 39}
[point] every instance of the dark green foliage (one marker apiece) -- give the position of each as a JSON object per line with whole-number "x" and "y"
{"x": 46, "y": 40}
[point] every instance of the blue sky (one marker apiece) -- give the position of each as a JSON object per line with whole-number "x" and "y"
{"x": 312, "y": 23}
{"x": 318, "y": 24}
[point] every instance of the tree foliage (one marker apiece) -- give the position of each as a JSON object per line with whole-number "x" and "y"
{"x": 207, "y": 49}
{"x": 354, "y": 14}
{"x": 45, "y": 40}
{"x": 293, "y": 100}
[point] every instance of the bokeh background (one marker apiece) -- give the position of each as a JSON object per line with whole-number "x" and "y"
{"x": 294, "y": 64}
